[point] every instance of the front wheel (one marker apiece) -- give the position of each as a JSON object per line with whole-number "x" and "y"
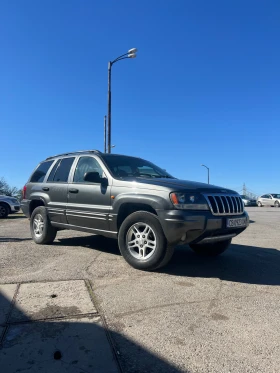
{"x": 211, "y": 249}
{"x": 41, "y": 229}
{"x": 142, "y": 242}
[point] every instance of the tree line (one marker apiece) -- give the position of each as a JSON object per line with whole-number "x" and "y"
{"x": 7, "y": 190}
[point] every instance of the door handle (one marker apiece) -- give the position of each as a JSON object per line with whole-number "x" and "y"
{"x": 46, "y": 189}
{"x": 73, "y": 190}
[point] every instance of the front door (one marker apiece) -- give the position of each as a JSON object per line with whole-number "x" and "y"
{"x": 88, "y": 203}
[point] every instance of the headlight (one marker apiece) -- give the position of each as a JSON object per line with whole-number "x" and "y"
{"x": 189, "y": 201}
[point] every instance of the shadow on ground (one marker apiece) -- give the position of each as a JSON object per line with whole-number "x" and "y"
{"x": 11, "y": 239}
{"x": 99, "y": 243}
{"x": 72, "y": 346}
{"x": 240, "y": 263}
{"x": 15, "y": 216}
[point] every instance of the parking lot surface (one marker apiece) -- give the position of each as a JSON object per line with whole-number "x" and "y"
{"x": 195, "y": 315}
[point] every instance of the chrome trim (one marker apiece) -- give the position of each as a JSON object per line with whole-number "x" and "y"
{"x": 85, "y": 216}
{"x": 71, "y": 226}
{"x": 216, "y": 238}
{"x": 222, "y": 204}
{"x": 227, "y": 203}
{"x": 68, "y": 211}
{"x": 237, "y": 207}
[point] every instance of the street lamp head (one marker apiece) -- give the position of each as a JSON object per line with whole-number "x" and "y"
{"x": 133, "y": 50}
{"x": 132, "y": 55}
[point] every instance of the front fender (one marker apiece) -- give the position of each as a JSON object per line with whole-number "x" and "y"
{"x": 156, "y": 202}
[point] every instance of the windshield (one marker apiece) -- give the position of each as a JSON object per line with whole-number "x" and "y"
{"x": 275, "y": 195}
{"x": 122, "y": 166}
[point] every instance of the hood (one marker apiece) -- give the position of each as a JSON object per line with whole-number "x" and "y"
{"x": 177, "y": 184}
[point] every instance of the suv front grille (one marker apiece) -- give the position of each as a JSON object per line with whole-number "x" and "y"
{"x": 225, "y": 204}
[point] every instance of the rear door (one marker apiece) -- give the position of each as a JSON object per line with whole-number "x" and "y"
{"x": 89, "y": 204}
{"x": 57, "y": 188}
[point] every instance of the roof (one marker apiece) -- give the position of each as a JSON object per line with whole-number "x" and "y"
{"x": 74, "y": 153}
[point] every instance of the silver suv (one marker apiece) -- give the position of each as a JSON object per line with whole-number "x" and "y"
{"x": 8, "y": 205}
{"x": 272, "y": 199}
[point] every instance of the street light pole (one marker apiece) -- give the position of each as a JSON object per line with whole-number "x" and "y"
{"x": 208, "y": 172}
{"x": 109, "y": 106}
{"x": 130, "y": 54}
{"x": 105, "y": 134}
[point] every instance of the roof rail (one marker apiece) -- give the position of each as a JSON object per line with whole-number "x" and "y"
{"x": 76, "y": 152}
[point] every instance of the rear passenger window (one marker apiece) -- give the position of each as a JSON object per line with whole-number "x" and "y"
{"x": 60, "y": 172}
{"x": 40, "y": 173}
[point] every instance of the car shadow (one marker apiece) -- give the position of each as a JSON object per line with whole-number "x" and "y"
{"x": 11, "y": 239}
{"x": 15, "y": 216}
{"x": 69, "y": 344}
{"x": 100, "y": 243}
{"x": 240, "y": 263}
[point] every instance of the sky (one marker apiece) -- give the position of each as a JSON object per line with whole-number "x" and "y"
{"x": 204, "y": 88}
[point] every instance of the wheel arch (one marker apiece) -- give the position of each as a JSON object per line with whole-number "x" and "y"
{"x": 128, "y": 208}
{"x": 35, "y": 203}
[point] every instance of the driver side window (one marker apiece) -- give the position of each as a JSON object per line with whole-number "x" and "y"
{"x": 84, "y": 165}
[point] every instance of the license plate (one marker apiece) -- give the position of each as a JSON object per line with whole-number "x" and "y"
{"x": 237, "y": 222}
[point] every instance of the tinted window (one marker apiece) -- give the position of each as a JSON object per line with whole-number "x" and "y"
{"x": 86, "y": 164}
{"x": 40, "y": 172}
{"x": 61, "y": 173}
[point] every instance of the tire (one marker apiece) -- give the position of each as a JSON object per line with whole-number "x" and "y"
{"x": 4, "y": 210}
{"x": 42, "y": 231}
{"x": 260, "y": 204}
{"x": 276, "y": 204}
{"x": 149, "y": 249}
{"x": 211, "y": 249}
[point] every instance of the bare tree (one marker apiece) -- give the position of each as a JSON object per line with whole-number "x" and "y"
{"x": 8, "y": 190}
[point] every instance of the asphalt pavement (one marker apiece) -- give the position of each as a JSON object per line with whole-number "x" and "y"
{"x": 195, "y": 315}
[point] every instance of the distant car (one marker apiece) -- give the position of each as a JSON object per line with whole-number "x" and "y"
{"x": 8, "y": 205}
{"x": 248, "y": 201}
{"x": 272, "y": 199}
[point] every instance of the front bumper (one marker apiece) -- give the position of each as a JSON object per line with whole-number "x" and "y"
{"x": 183, "y": 227}
{"x": 14, "y": 208}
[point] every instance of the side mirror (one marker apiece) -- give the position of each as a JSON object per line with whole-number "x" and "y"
{"x": 92, "y": 177}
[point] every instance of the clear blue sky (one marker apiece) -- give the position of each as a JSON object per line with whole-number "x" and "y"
{"x": 204, "y": 88}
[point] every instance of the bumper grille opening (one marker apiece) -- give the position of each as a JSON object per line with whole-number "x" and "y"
{"x": 221, "y": 204}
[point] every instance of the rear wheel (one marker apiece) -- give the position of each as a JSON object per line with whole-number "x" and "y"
{"x": 211, "y": 249}
{"x": 276, "y": 204}
{"x": 142, "y": 242}
{"x": 41, "y": 229}
{"x": 259, "y": 204}
{"x": 4, "y": 210}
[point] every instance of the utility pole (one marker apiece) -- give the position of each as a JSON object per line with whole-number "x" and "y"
{"x": 105, "y": 134}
